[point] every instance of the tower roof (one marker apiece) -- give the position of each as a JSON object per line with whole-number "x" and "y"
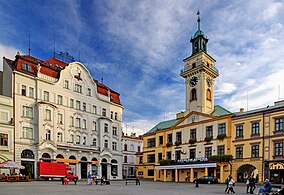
{"x": 198, "y": 32}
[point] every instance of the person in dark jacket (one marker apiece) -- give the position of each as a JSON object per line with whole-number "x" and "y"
{"x": 252, "y": 185}
{"x": 227, "y": 183}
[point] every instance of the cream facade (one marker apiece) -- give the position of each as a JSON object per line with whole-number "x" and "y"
{"x": 131, "y": 145}
{"x": 6, "y": 129}
{"x": 62, "y": 114}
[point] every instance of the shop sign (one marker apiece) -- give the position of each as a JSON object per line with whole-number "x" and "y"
{"x": 192, "y": 160}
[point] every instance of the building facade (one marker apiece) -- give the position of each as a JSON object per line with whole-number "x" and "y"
{"x": 131, "y": 145}
{"x": 208, "y": 140}
{"x": 63, "y": 114}
{"x": 6, "y": 129}
{"x": 197, "y": 143}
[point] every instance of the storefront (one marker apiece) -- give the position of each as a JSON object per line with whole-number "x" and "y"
{"x": 276, "y": 170}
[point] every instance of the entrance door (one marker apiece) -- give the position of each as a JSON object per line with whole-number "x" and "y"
{"x": 104, "y": 171}
{"x": 29, "y": 168}
{"x": 84, "y": 170}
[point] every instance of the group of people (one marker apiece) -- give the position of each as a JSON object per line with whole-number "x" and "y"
{"x": 250, "y": 184}
{"x": 93, "y": 178}
{"x": 230, "y": 185}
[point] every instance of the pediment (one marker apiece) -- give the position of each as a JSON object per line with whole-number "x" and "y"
{"x": 195, "y": 117}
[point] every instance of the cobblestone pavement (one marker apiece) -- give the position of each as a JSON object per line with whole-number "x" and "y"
{"x": 116, "y": 188}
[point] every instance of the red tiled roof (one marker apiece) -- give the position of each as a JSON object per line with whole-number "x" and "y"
{"x": 52, "y": 68}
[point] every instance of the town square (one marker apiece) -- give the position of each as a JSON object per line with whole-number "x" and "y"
{"x": 142, "y": 97}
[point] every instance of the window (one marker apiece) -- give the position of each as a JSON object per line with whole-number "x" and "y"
{"x": 94, "y": 109}
{"x": 114, "y": 130}
{"x": 72, "y": 138}
{"x": 84, "y": 124}
{"x": 59, "y": 99}
{"x": 151, "y": 158}
{"x": 47, "y": 114}
{"x": 192, "y": 153}
{"x": 106, "y": 128}
{"x": 78, "y": 122}
{"x": 3, "y": 139}
{"x": 222, "y": 129}
{"x": 151, "y": 142}
{"x": 125, "y": 159}
{"x": 84, "y": 106}
{"x": 26, "y": 67}
{"x": 78, "y": 105}
{"x": 221, "y": 150}
{"x": 106, "y": 143}
{"x": 71, "y": 103}
{"x": 178, "y": 155}
{"x": 255, "y": 151}
{"x": 125, "y": 147}
{"x": 46, "y": 96}
{"x": 208, "y": 152}
{"x": 27, "y": 133}
{"x": 84, "y": 140}
{"x": 111, "y": 114}
{"x": 59, "y": 137}
{"x": 169, "y": 155}
{"x": 161, "y": 140}
{"x": 27, "y": 112}
{"x": 150, "y": 172}
{"x": 208, "y": 95}
{"x": 48, "y": 135}
{"x": 89, "y": 92}
{"x": 104, "y": 112}
{"x": 170, "y": 138}
{"x": 138, "y": 149}
{"x": 94, "y": 126}
{"x": 66, "y": 84}
{"x": 209, "y": 131}
{"x": 94, "y": 142}
{"x": 193, "y": 134}
{"x": 78, "y": 88}
{"x": 71, "y": 121}
{"x": 239, "y": 152}
{"x": 255, "y": 128}
{"x": 278, "y": 149}
{"x": 60, "y": 118}
{"x": 178, "y": 136}
{"x": 140, "y": 159}
{"x": 114, "y": 145}
{"x": 160, "y": 156}
{"x": 115, "y": 116}
{"x": 239, "y": 131}
{"x": 278, "y": 124}
{"x": 78, "y": 139}
{"x": 31, "y": 92}
{"x": 193, "y": 95}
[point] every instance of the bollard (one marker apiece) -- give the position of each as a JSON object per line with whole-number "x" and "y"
{"x": 196, "y": 184}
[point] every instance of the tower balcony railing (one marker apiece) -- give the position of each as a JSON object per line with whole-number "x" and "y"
{"x": 187, "y": 68}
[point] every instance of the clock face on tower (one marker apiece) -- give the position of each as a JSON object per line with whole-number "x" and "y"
{"x": 193, "y": 81}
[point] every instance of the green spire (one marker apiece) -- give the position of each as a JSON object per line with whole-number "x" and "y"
{"x": 198, "y": 20}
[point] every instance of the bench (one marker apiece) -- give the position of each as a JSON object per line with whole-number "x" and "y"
{"x": 132, "y": 180}
{"x": 106, "y": 182}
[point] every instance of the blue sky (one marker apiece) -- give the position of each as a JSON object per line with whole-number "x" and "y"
{"x": 140, "y": 45}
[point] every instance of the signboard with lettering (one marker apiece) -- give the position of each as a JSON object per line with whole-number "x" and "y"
{"x": 191, "y": 160}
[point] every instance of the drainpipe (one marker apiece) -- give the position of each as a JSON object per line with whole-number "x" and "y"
{"x": 230, "y": 167}
{"x": 13, "y": 93}
{"x": 264, "y": 174}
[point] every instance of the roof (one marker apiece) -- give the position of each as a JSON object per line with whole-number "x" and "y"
{"x": 220, "y": 111}
{"x": 52, "y": 67}
{"x": 278, "y": 104}
{"x": 197, "y": 33}
{"x": 163, "y": 125}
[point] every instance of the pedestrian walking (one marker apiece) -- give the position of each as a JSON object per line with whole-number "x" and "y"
{"x": 89, "y": 178}
{"x": 227, "y": 183}
{"x": 256, "y": 178}
{"x": 231, "y": 185}
{"x": 252, "y": 185}
{"x": 247, "y": 183}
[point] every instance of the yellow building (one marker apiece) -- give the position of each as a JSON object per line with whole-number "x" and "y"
{"x": 258, "y": 138}
{"x": 197, "y": 143}
{"x": 208, "y": 140}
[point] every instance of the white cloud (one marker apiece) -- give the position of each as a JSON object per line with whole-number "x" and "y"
{"x": 7, "y": 52}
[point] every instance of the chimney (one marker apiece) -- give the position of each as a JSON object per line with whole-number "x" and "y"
{"x": 242, "y": 109}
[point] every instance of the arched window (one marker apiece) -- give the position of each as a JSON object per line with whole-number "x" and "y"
{"x": 72, "y": 157}
{"x": 59, "y": 156}
{"x": 27, "y": 154}
{"x": 46, "y": 157}
{"x": 113, "y": 161}
{"x": 193, "y": 95}
{"x": 84, "y": 159}
{"x": 94, "y": 159}
{"x": 208, "y": 95}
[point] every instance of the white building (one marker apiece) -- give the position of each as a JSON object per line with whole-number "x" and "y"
{"x": 63, "y": 114}
{"x": 131, "y": 145}
{"x": 6, "y": 129}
